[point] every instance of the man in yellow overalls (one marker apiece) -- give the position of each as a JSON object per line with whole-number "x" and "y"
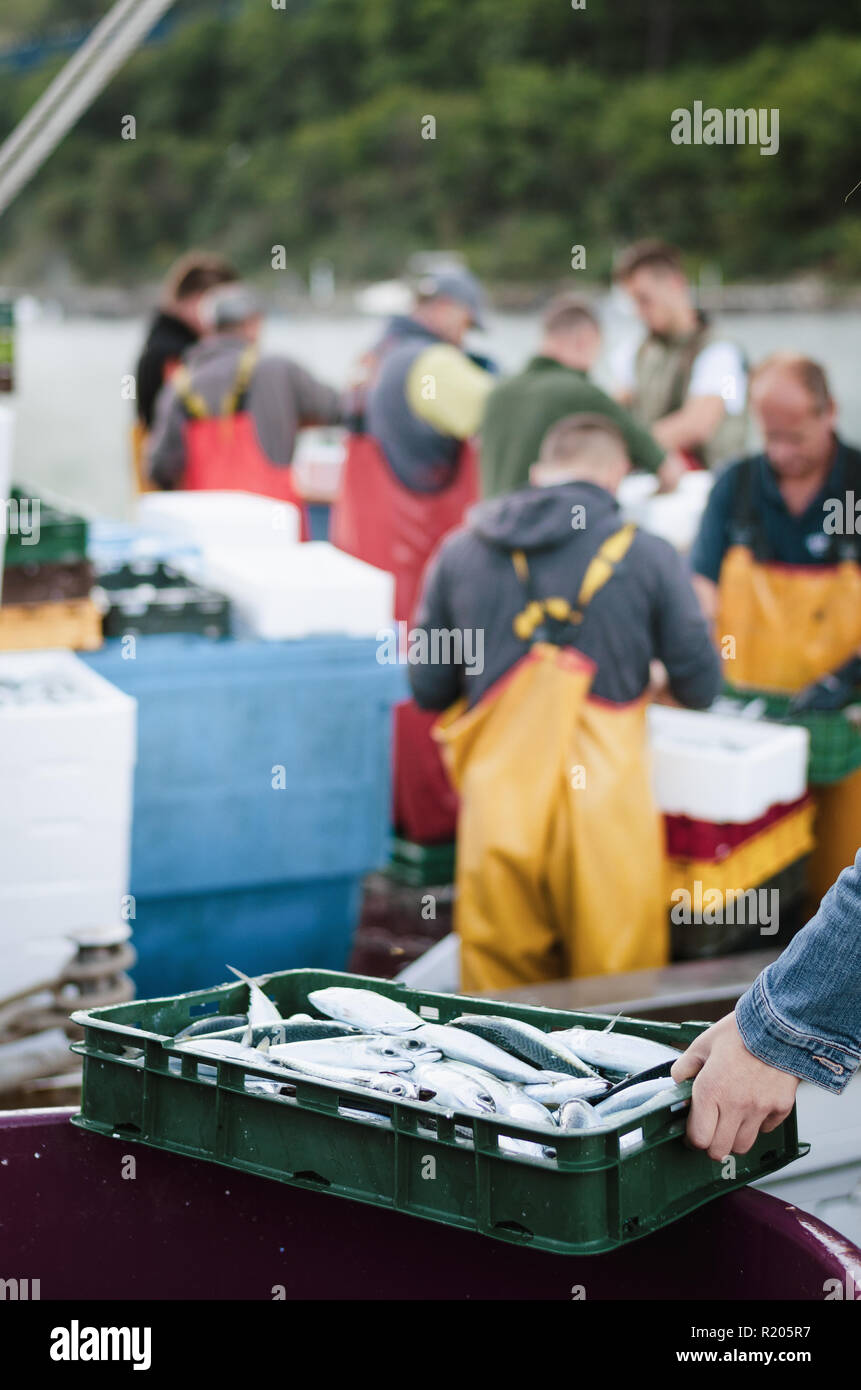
{"x": 537, "y": 627}
{"x": 778, "y": 567}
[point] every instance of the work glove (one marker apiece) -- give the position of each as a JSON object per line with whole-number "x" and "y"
{"x": 832, "y": 692}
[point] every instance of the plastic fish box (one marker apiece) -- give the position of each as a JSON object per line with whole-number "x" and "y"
{"x": 603, "y": 1189}
{"x": 47, "y": 583}
{"x": 62, "y": 536}
{"x": 67, "y": 752}
{"x": 719, "y": 768}
{"x": 185, "y": 940}
{"x": 208, "y": 519}
{"x": 303, "y": 590}
{"x": 258, "y": 762}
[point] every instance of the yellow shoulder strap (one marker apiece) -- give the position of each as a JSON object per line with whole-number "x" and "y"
{"x": 194, "y": 403}
{"x": 604, "y": 562}
{"x": 247, "y": 363}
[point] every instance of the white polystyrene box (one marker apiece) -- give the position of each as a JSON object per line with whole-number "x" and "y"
{"x": 67, "y": 754}
{"x": 221, "y": 519}
{"x": 303, "y": 590}
{"x": 722, "y": 769}
{"x": 676, "y": 515}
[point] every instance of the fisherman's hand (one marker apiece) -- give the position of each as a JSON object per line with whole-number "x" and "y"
{"x": 832, "y": 692}
{"x": 735, "y": 1095}
{"x": 670, "y": 472}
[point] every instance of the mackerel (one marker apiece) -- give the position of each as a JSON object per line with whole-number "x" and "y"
{"x": 546, "y": 1050}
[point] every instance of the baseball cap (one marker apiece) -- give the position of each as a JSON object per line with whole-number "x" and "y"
{"x": 227, "y": 306}
{"x": 457, "y": 284}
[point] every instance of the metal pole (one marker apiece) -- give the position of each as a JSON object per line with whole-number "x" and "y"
{"x": 75, "y": 87}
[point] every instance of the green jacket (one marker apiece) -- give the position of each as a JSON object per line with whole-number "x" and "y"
{"x": 520, "y": 411}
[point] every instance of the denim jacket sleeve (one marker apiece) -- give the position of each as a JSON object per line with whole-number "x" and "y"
{"x": 803, "y": 1013}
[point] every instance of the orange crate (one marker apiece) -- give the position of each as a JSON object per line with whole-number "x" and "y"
{"x": 76, "y": 623}
{"x": 751, "y": 863}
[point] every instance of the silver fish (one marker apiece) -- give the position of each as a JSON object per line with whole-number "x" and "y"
{"x": 573, "y": 1088}
{"x": 214, "y": 1023}
{"x": 524, "y": 1148}
{"x": 524, "y": 1040}
{"x": 362, "y": 1053}
{"x": 617, "y": 1052}
{"x": 509, "y": 1099}
{"x": 576, "y": 1114}
{"x": 452, "y": 1089}
{"x": 252, "y": 1035}
{"x": 635, "y": 1096}
{"x": 260, "y": 1008}
{"x": 344, "y": 1076}
{"x": 373, "y": 1013}
{"x": 228, "y": 1051}
{"x": 463, "y": 1046}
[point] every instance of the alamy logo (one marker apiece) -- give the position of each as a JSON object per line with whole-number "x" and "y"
{"x": 735, "y": 907}
{"x": 76, "y": 1343}
{"x": 435, "y": 646}
{"x": 734, "y": 126}
{"x": 21, "y": 517}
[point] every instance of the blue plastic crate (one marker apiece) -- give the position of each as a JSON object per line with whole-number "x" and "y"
{"x": 187, "y": 942}
{"x": 214, "y": 719}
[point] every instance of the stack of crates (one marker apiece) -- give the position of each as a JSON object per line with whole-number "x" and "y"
{"x": 261, "y": 800}
{"x": 67, "y": 750}
{"x": 737, "y": 815}
{"x": 46, "y": 599}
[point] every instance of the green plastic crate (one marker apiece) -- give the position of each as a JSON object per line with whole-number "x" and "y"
{"x": 604, "y": 1189}
{"x": 62, "y": 536}
{"x": 835, "y": 740}
{"x": 420, "y": 865}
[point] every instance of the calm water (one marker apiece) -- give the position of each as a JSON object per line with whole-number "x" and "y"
{"x": 72, "y": 433}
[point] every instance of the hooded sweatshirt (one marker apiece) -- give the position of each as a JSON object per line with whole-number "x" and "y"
{"x": 647, "y": 610}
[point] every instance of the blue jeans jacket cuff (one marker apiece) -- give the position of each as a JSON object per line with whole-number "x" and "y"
{"x": 773, "y": 1040}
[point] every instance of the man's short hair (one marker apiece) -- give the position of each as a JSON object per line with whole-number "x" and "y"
{"x": 654, "y": 255}
{"x": 581, "y": 438}
{"x": 197, "y": 272}
{"x": 569, "y": 313}
{"x": 804, "y": 370}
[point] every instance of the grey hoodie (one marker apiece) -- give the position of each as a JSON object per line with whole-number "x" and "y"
{"x": 647, "y": 610}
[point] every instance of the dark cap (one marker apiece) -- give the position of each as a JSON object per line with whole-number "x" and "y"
{"x": 457, "y": 284}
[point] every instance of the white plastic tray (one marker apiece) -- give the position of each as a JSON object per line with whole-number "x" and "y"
{"x": 219, "y": 519}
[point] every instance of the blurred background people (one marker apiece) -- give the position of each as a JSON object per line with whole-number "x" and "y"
{"x": 175, "y": 328}
{"x": 553, "y": 384}
{"x": 686, "y": 382}
{"x": 560, "y": 867}
{"x": 229, "y": 415}
{"x": 784, "y": 588}
{"x": 409, "y": 476}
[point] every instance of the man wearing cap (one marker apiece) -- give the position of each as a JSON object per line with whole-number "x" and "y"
{"x": 410, "y": 475}
{"x": 228, "y": 417}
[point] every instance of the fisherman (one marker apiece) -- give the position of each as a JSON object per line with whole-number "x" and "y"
{"x": 686, "y": 382}
{"x": 175, "y": 328}
{"x": 228, "y": 417}
{"x": 409, "y": 476}
{"x": 777, "y": 565}
{"x": 554, "y": 384}
{"x": 560, "y": 847}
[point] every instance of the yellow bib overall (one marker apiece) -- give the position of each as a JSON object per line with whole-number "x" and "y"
{"x": 560, "y": 862}
{"x": 791, "y": 625}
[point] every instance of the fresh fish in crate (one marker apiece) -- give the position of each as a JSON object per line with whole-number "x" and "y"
{"x": 635, "y": 1096}
{"x": 371, "y": 1012}
{"x": 260, "y": 1007}
{"x": 364, "y": 1053}
{"x": 509, "y": 1099}
{"x": 576, "y": 1114}
{"x": 288, "y": 1032}
{"x": 617, "y": 1052}
{"x": 572, "y": 1088}
{"x": 451, "y": 1089}
{"x": 213, "y": 1023}
{"x": 461, "y": 1046}
{"x": 548, "y": 1051}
